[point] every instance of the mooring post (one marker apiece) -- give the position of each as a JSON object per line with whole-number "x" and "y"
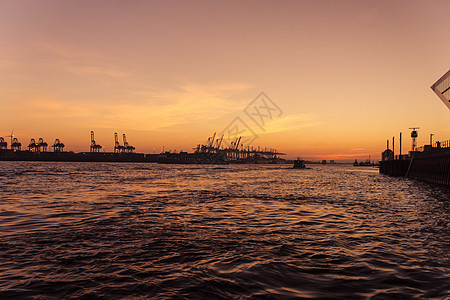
{"x": 393, "y": 146}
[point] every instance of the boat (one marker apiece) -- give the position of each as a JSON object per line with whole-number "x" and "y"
{"x": 299, "y": 164}
{"x": 366, "y": 163}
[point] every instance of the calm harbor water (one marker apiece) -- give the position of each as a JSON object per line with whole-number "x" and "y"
{"x": 114, "y": 230}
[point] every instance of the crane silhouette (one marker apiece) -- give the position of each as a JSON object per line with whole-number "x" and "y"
{"x": 16, "y": 145}
{"x": 94, "y": 146}
{"x": 33, "y": 146}
{"x": 117, "y": 147}
{"x": 42, "y": 144}
{"x": 58, "y": 146}
{"x": 11, "y": 136}
{"x": 127, "y": 148}
{"x": 3, "y": 144}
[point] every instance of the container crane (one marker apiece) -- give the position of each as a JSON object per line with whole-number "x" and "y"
{"x": 210, "y": 143}
{"x": 58, "y": 146}
{"x": 219, "y": 142}
{"x": 127, "y": 147}
{"x": 33, "y": 146}
{"x": 11, "y": 136}
{"x": 117, "y": 147}
{"x": 3, "y": 144}
{"x": 94, "y": 146}
{"x": 16, "y": 145}
{"x": 212, "y": 140}
{"x": 42, "y": 144}
{"x": 236, "y": 143}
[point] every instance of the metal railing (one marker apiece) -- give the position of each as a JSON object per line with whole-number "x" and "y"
{"x": 437, "y": 144}
{"x": 444, "y": 144}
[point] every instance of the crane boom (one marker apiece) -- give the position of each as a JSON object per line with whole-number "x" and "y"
{"x": 212, "y": 140}
{"x": 237, "y": 144}
{"x": 219, "y": 142}
{"x": 125, "y": 143}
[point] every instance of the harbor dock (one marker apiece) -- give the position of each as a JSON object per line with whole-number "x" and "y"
{"x": 212, "y": 152}
{"x": 432, "y": 164}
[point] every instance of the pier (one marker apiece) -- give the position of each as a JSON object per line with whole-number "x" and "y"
{"x": 430, "y": 163}
{"x": 395, "y": 167}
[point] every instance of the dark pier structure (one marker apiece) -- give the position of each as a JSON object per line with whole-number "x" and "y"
{"x": 393, "y": 165}
{"x": 430, "y": 163}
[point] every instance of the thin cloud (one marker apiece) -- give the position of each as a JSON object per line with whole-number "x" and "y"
{"x": 104, "y": 70}
{"x": 68, "y": 58}
{"x": 291, "y": 122}
{"x": 55, "y": 49}
{"x": 189, "y": 104}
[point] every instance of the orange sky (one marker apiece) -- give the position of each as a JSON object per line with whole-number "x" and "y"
{"x": 347, "y": 75}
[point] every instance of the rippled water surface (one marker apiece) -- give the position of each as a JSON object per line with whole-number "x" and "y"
{"x": 112, "y": 230}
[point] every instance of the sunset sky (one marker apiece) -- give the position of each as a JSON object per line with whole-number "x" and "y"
{"x": 347, "y": 75}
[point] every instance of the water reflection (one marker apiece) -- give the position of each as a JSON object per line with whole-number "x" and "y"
{"x": 111, "y": 230}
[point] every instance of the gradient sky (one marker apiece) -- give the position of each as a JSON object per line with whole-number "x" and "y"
{"x": 348, "y": 75}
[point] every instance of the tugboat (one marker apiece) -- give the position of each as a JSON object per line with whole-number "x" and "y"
{"x": 299, "y": 164}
